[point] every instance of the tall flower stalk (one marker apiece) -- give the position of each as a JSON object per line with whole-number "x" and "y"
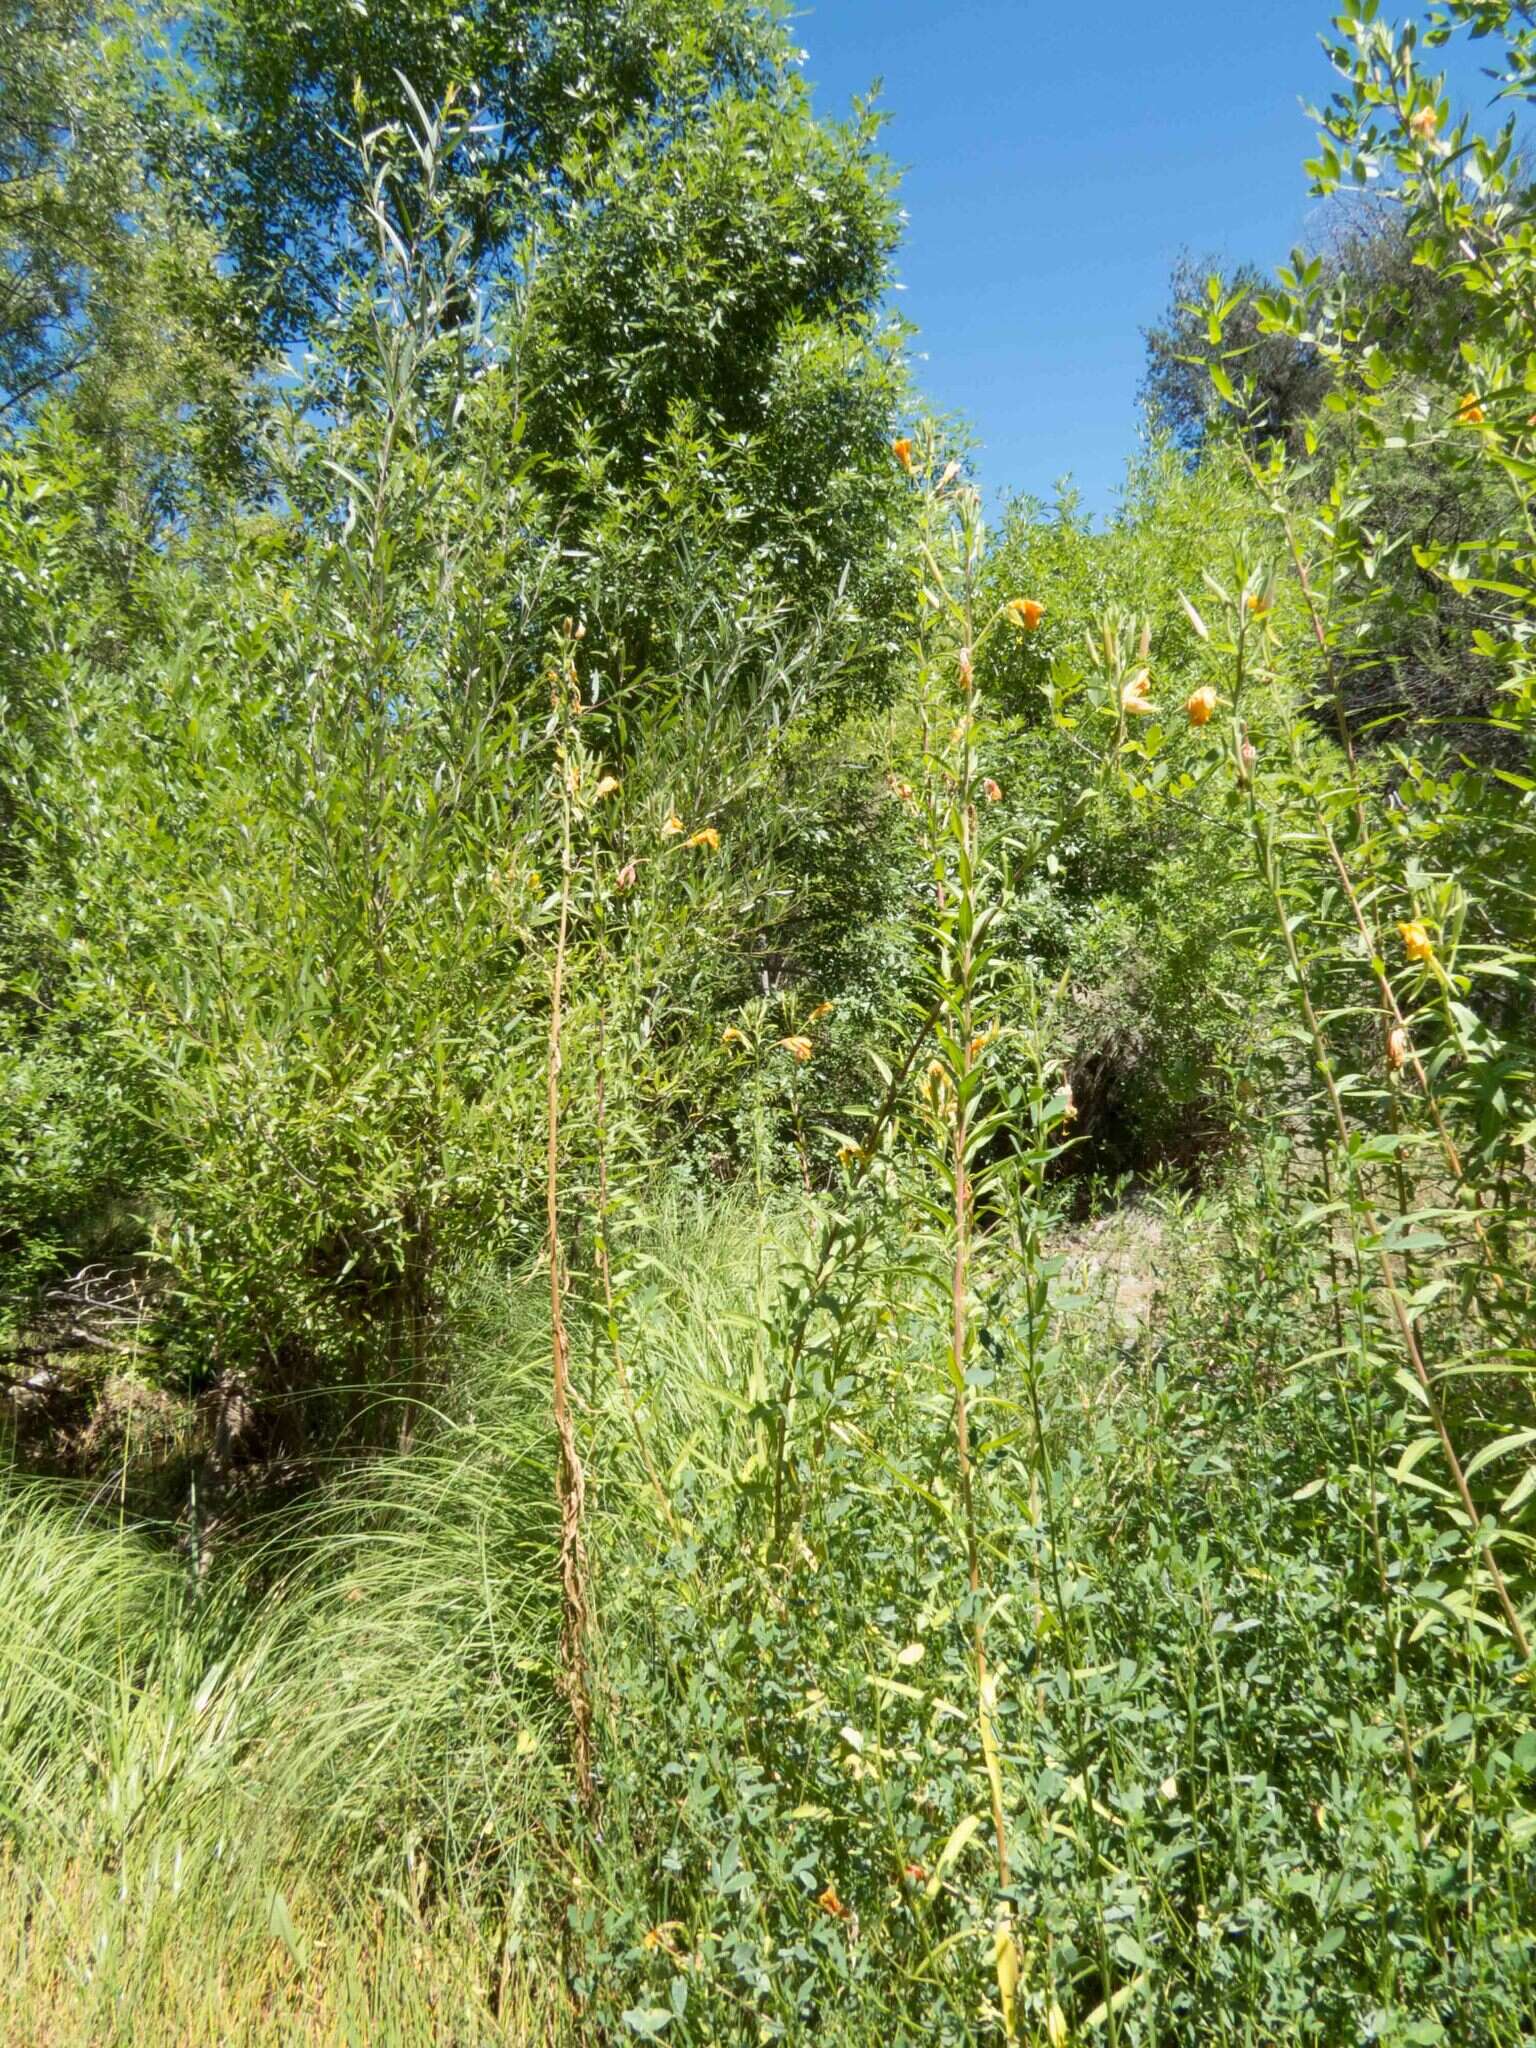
{"x": 570, "y": 1476}
{"x": 962, "y": 1112}
{"x": 1371, "y": 1236}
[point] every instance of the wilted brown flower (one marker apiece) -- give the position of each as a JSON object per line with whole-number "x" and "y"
{"x": 993, "y": 790}
{"x": 1397, "y": 1047}
{"x": 1134, "y": 699}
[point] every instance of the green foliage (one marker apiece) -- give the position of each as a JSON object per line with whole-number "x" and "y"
{"x": 784, "y": 1258}
{"x": 1135, "y": 908}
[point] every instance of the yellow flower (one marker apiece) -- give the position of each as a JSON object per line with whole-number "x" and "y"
{"x": 731, "y": 1036}
{"x": 607, "y": 787}
{"x": 798, "y": 1046}
{"x": 673, "y": 826}
{"x": 1133, "y": 698}
{"x": 821, "y": 1010}
{"x": 993, "y": 790}
{"x": 1201, "y": 705}
{"x": 1026, "y": 612}
{"x": 849, "y": 1154}
{"x": 901, "y": 448}
{"x": 1259, "y": 605}
{"x": 829, "y": 1902}
{"x": 1469, "y": 413}
{"x": 1397, "y": 1047}
{"x": 1416, "y": 942}
{"x": 708, "y": 837}
{"x": 1424, "y": 123}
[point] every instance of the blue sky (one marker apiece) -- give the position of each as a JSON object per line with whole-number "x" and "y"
{"x": 1057, "y": 157}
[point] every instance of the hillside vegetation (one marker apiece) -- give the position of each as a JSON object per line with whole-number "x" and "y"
{"x": 767, "y": 1262}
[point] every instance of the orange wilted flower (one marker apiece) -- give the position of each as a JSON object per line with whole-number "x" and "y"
{"x": 1201, "y": 706}
{"x": 901, "y": 448}
{"x": 1469, "y": 413}
{"x": 914, "y": 1873}
{"x": 993, "y": 790}
{"x": 606, "y": 787}
{"x": 625, "y": 878}
{"x": 673, "y": 826}
{"x": 1397, "y": 1047}
{"x": 1026, "y": 612}
{"x": 821, "y": 1010}
{"x": 708, "y": 837}
{"x": 1134, "y": 699}
{"x": 798, "y": 1045}
{"x": 1424, "y": 123}
{"x": 967, "y": 668}
{"x": 1416, "y": 941}
{"x": 829, "y": 1902}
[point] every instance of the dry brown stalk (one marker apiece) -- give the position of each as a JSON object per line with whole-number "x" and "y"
{"x": 570, "y": 1478}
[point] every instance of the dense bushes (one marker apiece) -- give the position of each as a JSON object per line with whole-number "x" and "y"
{"x": 783, "y": 1256}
